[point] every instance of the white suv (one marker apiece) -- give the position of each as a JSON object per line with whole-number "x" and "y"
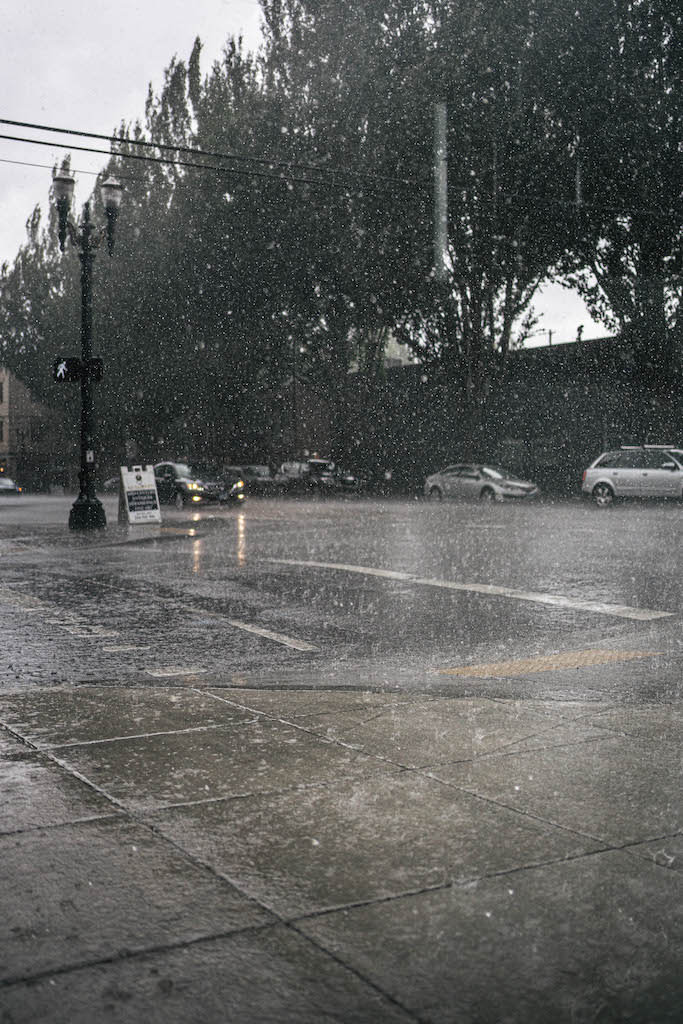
{"x": 635, "y": 471}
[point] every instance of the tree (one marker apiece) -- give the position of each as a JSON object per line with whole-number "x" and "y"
{"x": 616, "y": 100}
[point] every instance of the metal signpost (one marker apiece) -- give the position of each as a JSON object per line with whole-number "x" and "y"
{"x": 87, "y": 512}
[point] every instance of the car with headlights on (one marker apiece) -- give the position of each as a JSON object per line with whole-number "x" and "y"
{"x": 180, "y": 484}
{"x": 258, "y": 479}
{"x": 634, "y": 471}
{"x": 476, "y": 481}
{"x": 8, "y": 488}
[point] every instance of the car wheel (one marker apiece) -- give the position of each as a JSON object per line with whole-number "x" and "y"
{"x": 603, "y": 495}
{"x": 435, "y": 494}
{"x": 179, "y": 501}
{"x": 487, "y": 494}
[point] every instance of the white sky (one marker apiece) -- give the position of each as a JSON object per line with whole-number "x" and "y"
{"x": 87, "y": 66}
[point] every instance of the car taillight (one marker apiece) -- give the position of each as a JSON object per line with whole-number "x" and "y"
{"x": 583, "y": 478}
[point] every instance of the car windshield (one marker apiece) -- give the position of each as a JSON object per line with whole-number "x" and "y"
{"x": 183, "y": 470}
{"x": 495, "y": 472}
{"x": 199, "y": 472}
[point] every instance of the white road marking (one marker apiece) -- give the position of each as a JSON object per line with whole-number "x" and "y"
{"x": 280, "y": 638}
{"x": 122, "y": 648}
{"x": 175, "y": 670}
{"x": 95, "y": 632}
{"x": 600, "y": 607}
{"x": 268, "y": 634}
{"x": 388, "y": 574}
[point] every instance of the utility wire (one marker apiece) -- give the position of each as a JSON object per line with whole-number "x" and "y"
{"x": 193, "y": 151}
{"x": 191, "y": 165}
{"x": 319, "y": 182}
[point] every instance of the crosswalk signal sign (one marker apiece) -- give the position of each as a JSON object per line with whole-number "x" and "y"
{"x": 67, "y": 369}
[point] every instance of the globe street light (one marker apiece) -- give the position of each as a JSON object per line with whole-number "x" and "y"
{"x": 87, "y": 512}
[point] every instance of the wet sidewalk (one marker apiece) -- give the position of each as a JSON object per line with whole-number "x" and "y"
{"x": 203, "y": 853}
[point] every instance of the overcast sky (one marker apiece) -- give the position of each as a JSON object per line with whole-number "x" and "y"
{"x": 87, "y": 66}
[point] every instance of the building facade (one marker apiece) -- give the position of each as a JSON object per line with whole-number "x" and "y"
{"x": 31, "y": 438}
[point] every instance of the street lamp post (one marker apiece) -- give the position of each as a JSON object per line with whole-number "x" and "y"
{"x": 87, "y": 512}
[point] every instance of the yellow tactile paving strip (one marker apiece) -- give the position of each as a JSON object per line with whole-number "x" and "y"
{"x": 547, "y": 663}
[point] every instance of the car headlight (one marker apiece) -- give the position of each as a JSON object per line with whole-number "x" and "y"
{"x": 239, "y": 484}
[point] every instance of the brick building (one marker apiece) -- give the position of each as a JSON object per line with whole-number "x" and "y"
{"x": 31, "y": 437}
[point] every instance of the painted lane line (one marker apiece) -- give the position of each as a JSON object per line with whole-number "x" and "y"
{"x": 365, "y": 570}
{"x": 557, "y": 600}
{"x": 123, "y": 648}
{"x": 280, "y": 638}
{"x": 546, "y": 663}
{"x": 94, "y": 632}
{"x": 208, "y": 617}
{"x": 175, "y": 670}
{"x": 268, "y": 634}
{"x": 601, "y": 607}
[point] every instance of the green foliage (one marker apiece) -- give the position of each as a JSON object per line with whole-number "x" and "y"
{"x": 299, "y": 250}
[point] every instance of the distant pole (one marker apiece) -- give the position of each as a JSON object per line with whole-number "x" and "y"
{"x": 440, "y": 190}
{"x": 295, "y": 411}
{"x": 578, "y": 186}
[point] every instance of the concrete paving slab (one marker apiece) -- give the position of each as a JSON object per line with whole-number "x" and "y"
{"x": 257, "y": 977}
{"x": 90, "y": 891}
{"x": 592, "y": 939}
{"x": 667, "y": 852}
{"x": 657, "y": 723}
{"x": 35, "y": 792}
{"x": 616, "y": 789}
{"x": 360, "y": 839}
{"x": 294, "y": 704}
{"x": 558, "y": 735}
{"x": 84, "y": 714}
{"x": 432, "y": 732}
{"x": 148, "y": 772}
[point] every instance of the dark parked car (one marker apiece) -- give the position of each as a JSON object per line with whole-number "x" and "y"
{"x": 259, "y": 479}
{"x": 179, "y": 484}
{"x": 230, "y": 481}
{"x": 314, "y": 476}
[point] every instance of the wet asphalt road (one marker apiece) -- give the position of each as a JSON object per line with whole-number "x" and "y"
{"x": 355, "y": 761}
{"x": 355, "y": 593}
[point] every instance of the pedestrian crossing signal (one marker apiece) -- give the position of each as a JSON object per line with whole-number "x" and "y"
{"x": 70, "y": 368}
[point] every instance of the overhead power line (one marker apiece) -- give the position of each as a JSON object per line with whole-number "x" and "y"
{"x": 287, "y": 166}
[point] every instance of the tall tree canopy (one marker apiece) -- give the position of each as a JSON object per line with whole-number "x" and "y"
{"x": 287, "y": 225}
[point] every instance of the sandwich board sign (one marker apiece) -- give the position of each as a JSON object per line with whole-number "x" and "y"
{"x": 138, "y": 498}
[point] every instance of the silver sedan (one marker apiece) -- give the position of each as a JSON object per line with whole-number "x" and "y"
{"x": 478, "y": 482}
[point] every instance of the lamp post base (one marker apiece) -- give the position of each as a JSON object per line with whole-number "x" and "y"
{"x": 87, "y": 514}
